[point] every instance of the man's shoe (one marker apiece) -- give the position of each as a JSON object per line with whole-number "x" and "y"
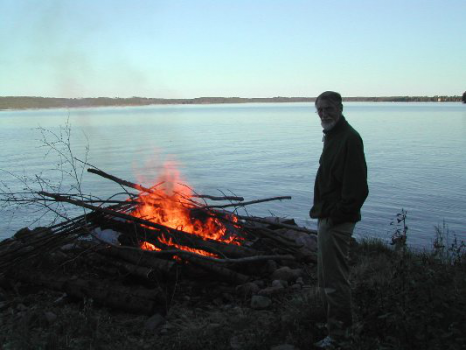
{"x": 327, "y": 343}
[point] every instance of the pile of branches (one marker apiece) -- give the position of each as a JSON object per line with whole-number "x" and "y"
{"x": 73, "y": 256}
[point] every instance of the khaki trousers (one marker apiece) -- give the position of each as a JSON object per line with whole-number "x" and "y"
{"x": 333, "y": 275}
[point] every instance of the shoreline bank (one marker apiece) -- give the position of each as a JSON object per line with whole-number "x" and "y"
{"x": 11, "y": 103}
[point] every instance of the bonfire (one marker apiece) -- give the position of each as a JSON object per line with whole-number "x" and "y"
{"x": 157, "y": 234}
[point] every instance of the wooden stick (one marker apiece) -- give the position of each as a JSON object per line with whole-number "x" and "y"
{"x": 214, "y": 198}
{"x": 149, "y": 190}
{"x": 242, "y": 204}
{"x": 120, "y": 181}
{"x": 105, "y": 211}
{"x": 263, "y": 221}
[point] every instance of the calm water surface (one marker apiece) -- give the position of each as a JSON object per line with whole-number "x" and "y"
{"x": 415, "y": 153}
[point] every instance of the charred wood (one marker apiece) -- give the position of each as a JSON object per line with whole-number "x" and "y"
{"x": 180, "y": 238}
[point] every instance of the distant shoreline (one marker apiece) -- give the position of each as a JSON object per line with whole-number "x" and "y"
{"x": 31, "y": 102}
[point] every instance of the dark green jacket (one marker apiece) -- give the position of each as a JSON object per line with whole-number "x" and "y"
{"x": 341, "y": 182}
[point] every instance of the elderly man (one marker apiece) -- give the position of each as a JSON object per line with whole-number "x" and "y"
{"x": 339, "y": 193}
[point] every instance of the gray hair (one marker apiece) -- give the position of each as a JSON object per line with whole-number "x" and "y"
{"x": 332, "y": 96}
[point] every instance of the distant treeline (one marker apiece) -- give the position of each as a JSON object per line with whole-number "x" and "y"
{"x": 25, "y": 102}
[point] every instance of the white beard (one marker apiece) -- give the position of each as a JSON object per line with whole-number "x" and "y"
{"x": 328, "y": 125}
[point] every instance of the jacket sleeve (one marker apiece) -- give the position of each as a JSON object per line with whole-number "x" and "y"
{"x": 354, "y": 188}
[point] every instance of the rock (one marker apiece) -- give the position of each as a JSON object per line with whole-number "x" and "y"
{"x": 272, "y": 290}
{"x": 283, "y": 347}
{"x": 154, "y": 322}
{"x": 22, "y": 233}
{"x": 286, "y": 274}
{"x": 107, "y": 235}
{"x": 50, "y": 317}
{"x": 296, "y": 286}
{"x": 300, "y": 281}
{"x": 247, "y": 289}
{"x": 308, "y": 241}
{"x": 279, "y": 283}
{"x": 259, "y": 302}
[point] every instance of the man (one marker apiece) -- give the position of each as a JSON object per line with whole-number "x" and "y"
{"x": 339, "y": 193}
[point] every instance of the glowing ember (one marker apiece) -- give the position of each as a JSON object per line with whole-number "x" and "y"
{"x": 148, "y": 246}
{"x": 170, "y": 204}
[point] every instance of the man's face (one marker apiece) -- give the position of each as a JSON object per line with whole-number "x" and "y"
{"x": 329, "y": 113}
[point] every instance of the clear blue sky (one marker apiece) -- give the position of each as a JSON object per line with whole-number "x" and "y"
{"x": 250, "y": 48}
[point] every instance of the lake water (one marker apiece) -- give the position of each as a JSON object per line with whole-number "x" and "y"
{"x": 415, "y": 154}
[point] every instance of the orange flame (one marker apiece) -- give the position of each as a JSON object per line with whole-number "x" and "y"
{"x": 170, "y": 204}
